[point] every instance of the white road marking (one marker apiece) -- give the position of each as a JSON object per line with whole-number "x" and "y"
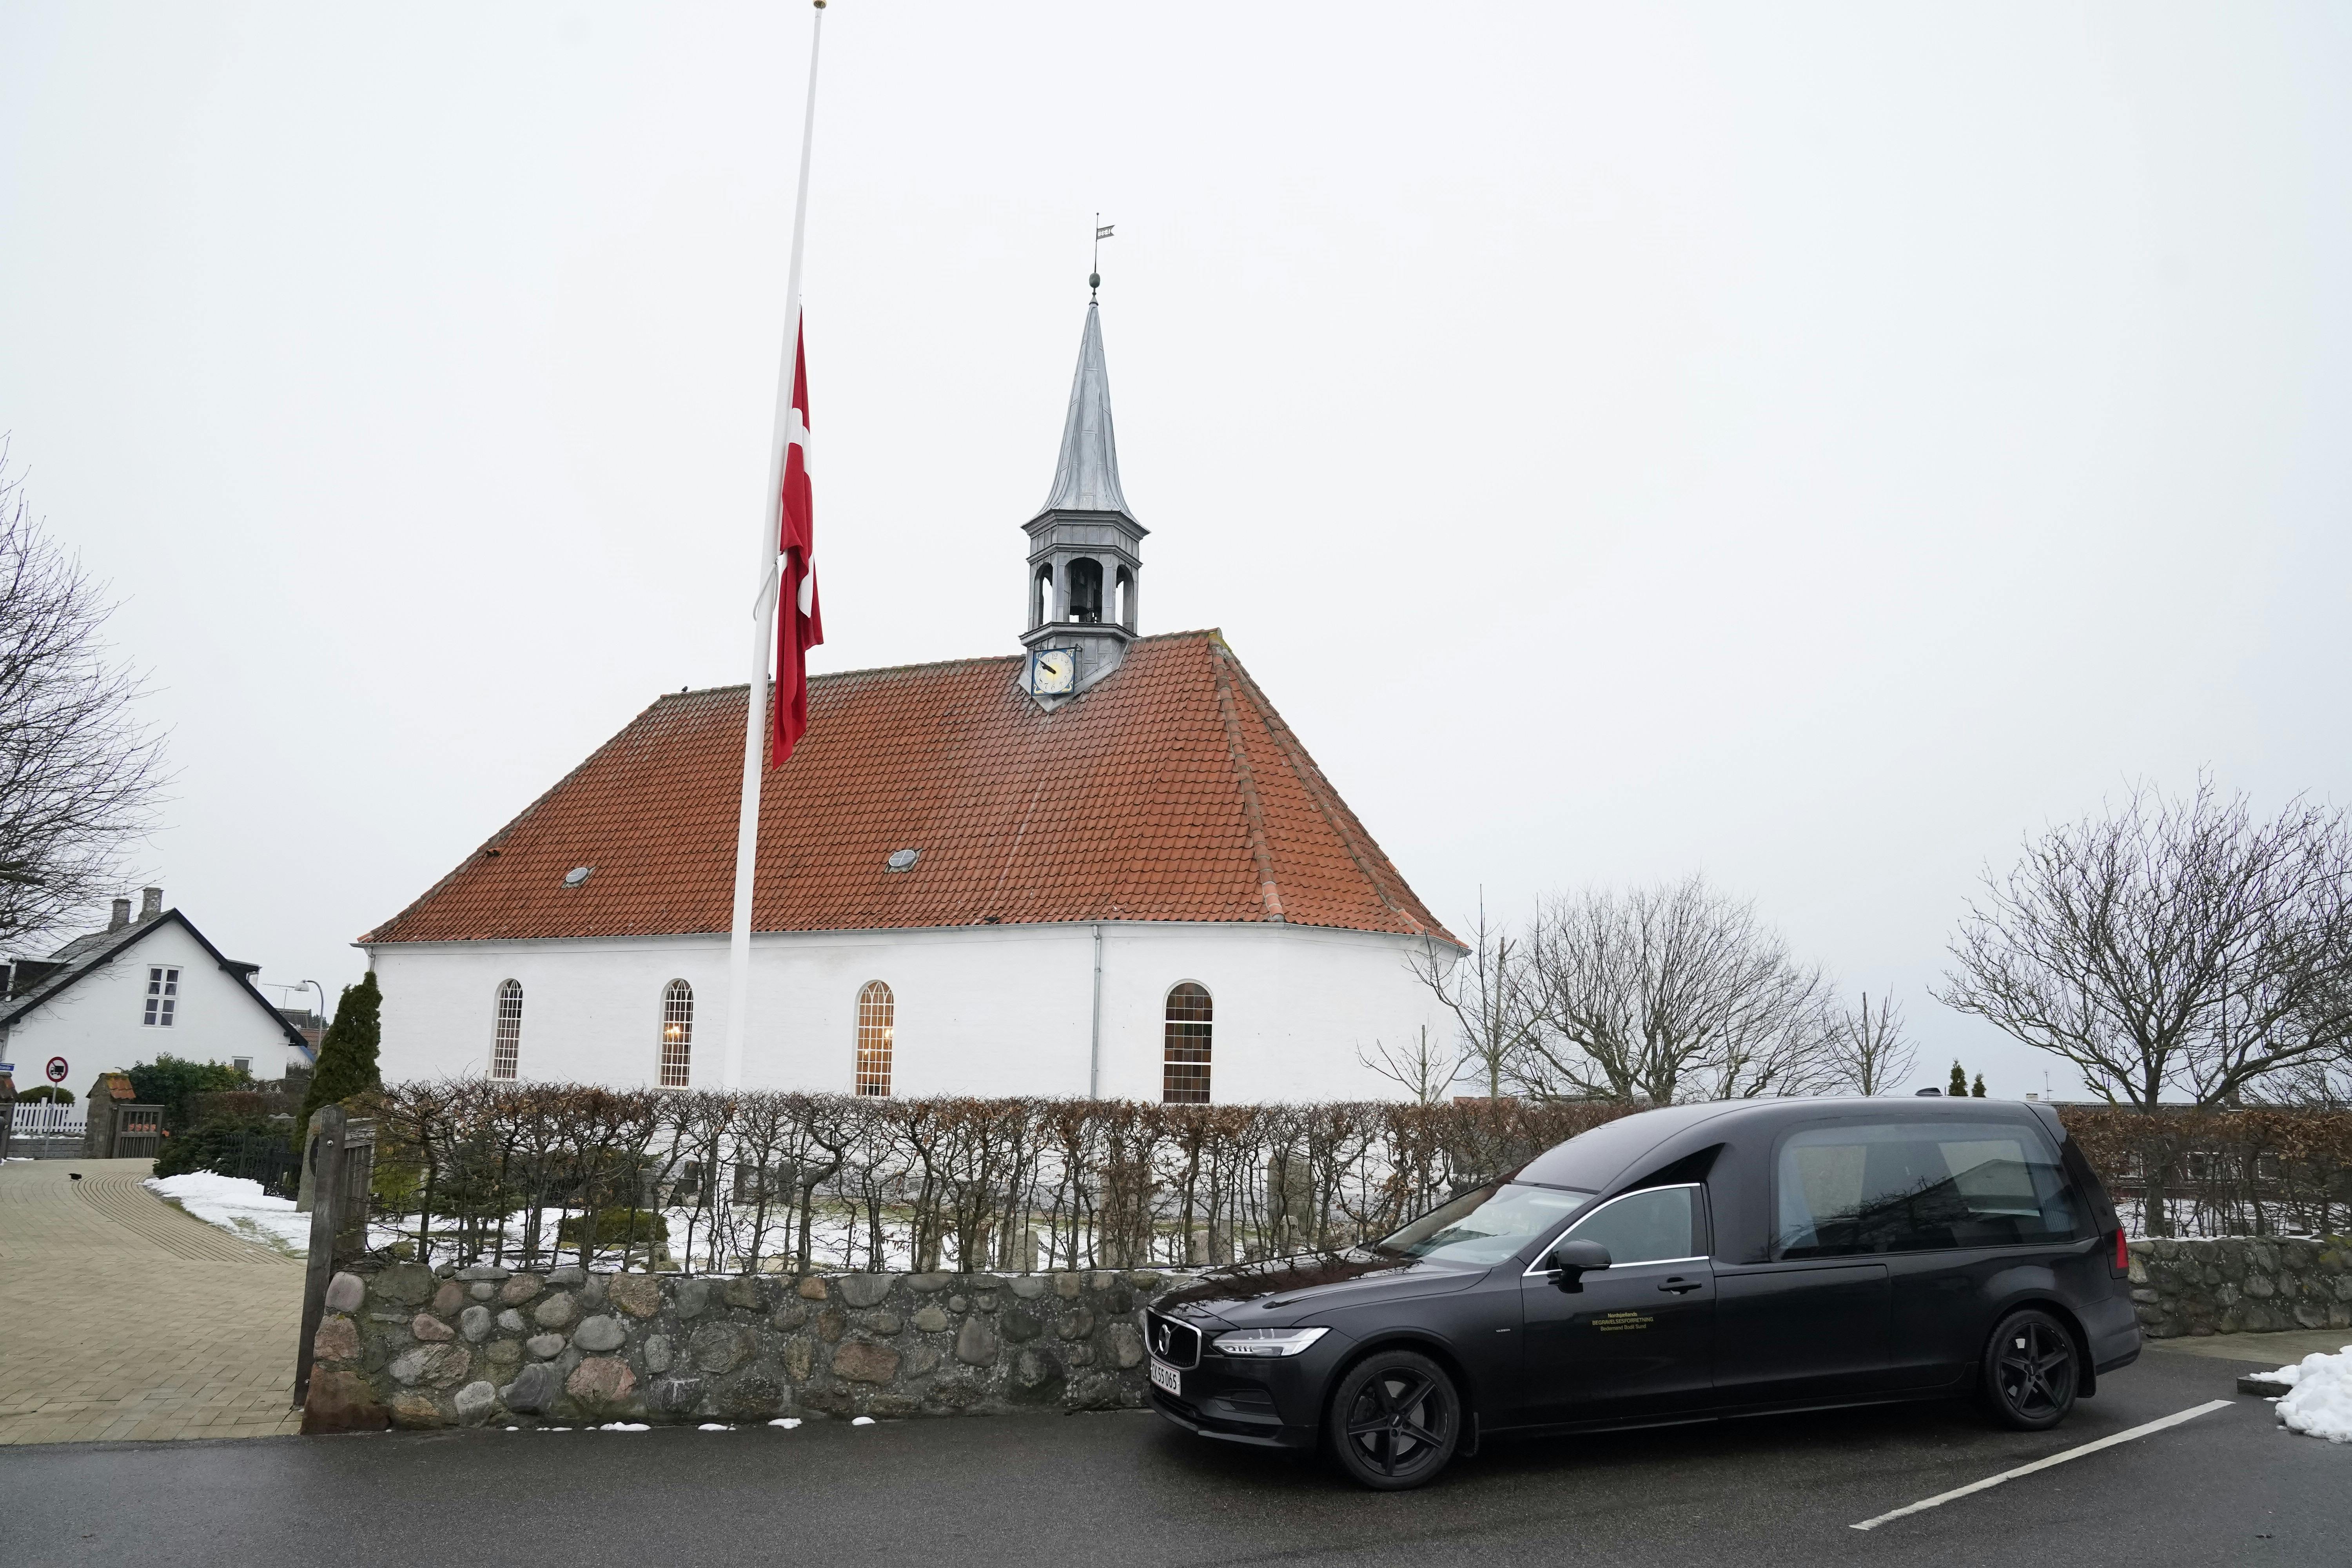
{"x": 2175, "y": 1419}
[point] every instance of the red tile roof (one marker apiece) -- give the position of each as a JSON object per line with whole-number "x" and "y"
{"x": 1170, "y": 791}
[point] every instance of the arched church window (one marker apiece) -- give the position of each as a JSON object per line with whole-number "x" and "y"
{"x": 1086, "y": 590}
{"x": 1184, "y": 1072}
{"x": 506, "y": 1037}
{"x": 875, "y": 1009}
{"x": 676, "y": 1034}
{"x": 1041, "y": 594}
{"x": 1125, "y": 589}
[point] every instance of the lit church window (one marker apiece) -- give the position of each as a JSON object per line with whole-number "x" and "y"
{"x": 875, "y": 1007}
{"x": 677, "y": 1033}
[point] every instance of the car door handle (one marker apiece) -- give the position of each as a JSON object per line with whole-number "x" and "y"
{"x": 1677, "y": 1284}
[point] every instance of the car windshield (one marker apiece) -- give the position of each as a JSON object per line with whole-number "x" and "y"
{"x": 1486, "y": 1225}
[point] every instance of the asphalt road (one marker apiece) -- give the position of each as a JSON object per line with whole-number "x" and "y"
{"x": 2228, "y": 1487}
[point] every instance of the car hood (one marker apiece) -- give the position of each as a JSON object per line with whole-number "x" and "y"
{"x": 1242, "y": 1293}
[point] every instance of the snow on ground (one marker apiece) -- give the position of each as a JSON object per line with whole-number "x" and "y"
{"x": 2320, "y": 1402}
{"x": 236, "y": 1205}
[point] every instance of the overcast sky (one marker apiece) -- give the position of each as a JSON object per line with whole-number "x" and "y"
{"x": 1814, "y": 445}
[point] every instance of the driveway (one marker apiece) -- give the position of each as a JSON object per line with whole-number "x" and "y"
{"x": 2225, "y": 1487}
{"x": 120, "y": 1317}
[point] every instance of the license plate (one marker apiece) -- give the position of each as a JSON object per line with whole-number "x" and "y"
{"x": 1167, "y": 1378}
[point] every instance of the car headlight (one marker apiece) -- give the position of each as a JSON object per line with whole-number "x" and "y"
{"x": 1267, "y": 1342}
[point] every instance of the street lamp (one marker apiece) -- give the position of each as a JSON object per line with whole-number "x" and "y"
{"x": 302, "y": 985}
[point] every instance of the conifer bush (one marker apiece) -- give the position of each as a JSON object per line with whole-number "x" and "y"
{"x": 347, "y": 1052}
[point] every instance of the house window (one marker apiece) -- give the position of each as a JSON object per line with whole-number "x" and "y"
{"x": 241, "y": 1064}
{"x": 1184, "y": 1070}
{"x": 162, "y": 998}
{"x": 676, "y": 1034}
{"x": 506, "y": 1040}
{"x": 876, "y": 1010}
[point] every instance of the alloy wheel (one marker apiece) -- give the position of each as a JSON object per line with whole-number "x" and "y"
{"x": 2032, "y": 1370}
{"x": 1399, "y": 1418}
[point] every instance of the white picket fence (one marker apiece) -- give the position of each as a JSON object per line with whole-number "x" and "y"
{"x": 47, "y": 1131}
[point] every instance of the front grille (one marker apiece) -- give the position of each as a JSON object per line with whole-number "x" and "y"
{"x": 1177, "y": 1344}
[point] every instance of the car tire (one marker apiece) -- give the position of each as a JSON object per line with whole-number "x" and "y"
{"x": 2031, "y": 1370}
{"x": 1394, "y": 1420}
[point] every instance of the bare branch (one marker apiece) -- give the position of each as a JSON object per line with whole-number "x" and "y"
{"x": 1424, "y": 1071}
{"x": 78, "y": 776}
{"x": 1485, "y": 989}
{"x": 1869, "y": 1050}
{"x": 1665, "y": 993}
{"x": 2172, "y": 947}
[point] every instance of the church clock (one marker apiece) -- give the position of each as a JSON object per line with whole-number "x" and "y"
{"x": 1054, "y": 672}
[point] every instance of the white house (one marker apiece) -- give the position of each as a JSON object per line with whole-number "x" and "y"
{"x": 135, "y": 990}
{"x": 1101, "y": 865}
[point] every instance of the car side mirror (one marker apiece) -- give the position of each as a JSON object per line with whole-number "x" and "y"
{"x": 1570, "y": 1259}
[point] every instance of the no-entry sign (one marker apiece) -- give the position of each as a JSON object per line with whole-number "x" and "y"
{"x": 57, "y": 1069}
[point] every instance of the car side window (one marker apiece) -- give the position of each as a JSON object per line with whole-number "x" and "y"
{"x": 1647, "y": 1226}
{"x": 1870, "y": 1187}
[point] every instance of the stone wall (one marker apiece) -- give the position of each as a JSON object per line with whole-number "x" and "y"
{"x": 410, "y": 1346}
{"x": 2240, "y": 1284}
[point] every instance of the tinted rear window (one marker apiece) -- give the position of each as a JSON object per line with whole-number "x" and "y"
{"x": 1895, "y": 1186}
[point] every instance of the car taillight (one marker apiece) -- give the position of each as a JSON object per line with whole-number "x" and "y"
{"x": 2122, "y": 1253}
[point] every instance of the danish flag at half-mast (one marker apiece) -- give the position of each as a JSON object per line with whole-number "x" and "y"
{"x": 799, "y": 625}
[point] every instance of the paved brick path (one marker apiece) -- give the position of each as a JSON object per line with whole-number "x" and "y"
{"x": 122, "y": 1318}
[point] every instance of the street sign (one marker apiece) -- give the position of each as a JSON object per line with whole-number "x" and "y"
{"x": 57, "y": 1069}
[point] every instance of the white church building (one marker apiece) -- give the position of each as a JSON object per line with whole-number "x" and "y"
{"x": 1098, "y": 865}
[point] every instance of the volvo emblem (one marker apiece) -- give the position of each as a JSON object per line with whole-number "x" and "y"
{"x": 1163, "y": 1342}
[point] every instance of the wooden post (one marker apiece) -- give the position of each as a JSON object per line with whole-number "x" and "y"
{"x": 326, "y": 1148}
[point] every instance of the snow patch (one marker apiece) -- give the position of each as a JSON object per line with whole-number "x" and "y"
{"x": 2318, "y": 1402}
{"x": 714, "y": 1427}
{"x": 625, "y": 1426}
{"x": 237, "y": 1206}
{"x": 863, "y": 1421}
{"x": 787, "y": 1422}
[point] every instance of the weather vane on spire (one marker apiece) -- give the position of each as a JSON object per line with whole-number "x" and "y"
{"x": 1094, "y": 276}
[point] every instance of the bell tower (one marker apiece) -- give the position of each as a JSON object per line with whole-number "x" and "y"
{"x": 1085, "y": 559}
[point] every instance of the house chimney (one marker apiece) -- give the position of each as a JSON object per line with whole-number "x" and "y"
{"x": 122, "y": 915}
{"x": 151, "y": 903}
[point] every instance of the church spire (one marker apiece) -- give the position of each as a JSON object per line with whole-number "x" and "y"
{"x": 1085, "y": 565}
{"x": 1085, "y": 476}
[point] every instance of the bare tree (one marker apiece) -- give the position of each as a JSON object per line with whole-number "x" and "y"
{"x": 78, "y": 776}
{"x": 1869, "y": 1050}
{"x": 1423, "y": 1070}
{"x": 1484, "y": 989}
{"x": 2172, "y": 947}
{"x": 1669, "y": 992}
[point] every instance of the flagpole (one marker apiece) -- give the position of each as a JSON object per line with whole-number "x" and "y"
{"x": 763, "y": 614}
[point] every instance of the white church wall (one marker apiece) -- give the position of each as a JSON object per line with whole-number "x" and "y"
{"x": 989, "y": 1010}
{"x": 98, "y": 1024}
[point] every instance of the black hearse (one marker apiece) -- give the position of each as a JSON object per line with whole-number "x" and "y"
{"x": 1679, "y": 1265}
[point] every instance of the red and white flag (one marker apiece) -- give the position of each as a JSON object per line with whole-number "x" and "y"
{"x": 799, "y": 625}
